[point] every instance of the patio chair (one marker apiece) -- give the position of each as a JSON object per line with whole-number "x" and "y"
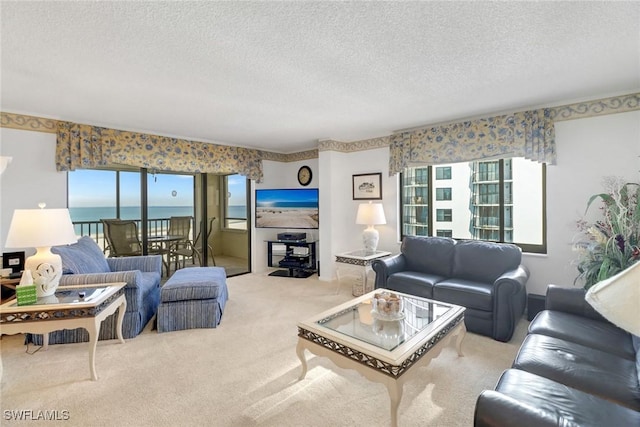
{"x": 122, "y": 237}
{"x": 179, "y": 226}
{"x": 193, "y": 248}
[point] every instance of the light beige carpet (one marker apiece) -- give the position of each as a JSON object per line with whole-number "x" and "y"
{"x": 243, "y": 373}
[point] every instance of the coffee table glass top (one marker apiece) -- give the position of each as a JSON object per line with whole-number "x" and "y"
{"x": 359, "y": 322}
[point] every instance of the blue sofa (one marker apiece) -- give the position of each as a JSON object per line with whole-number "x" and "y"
{"x": 84, "y": 263}
{"x": 485, "y": 277}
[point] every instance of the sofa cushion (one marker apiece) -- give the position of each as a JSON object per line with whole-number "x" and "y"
{"x": 592, "y": 371}
{"x": 592, "y": 333}
{"x": 428, "y": 254}
{"x": 194, "y": 283}
{"x": 484, "y": 261}
{"x": 413, "y": 283}
{"x": 568, "y": 405}
{"x": 467, "y": 293}
{"x": 82, "y": 257}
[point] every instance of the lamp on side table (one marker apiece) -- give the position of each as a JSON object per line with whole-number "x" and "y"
{"x": 42, "y": 228}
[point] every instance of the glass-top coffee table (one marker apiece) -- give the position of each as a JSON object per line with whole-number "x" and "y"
{"x": 71, "y": 307}
{"x": 382, "y": 350}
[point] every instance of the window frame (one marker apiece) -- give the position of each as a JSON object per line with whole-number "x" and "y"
{"x": 432, "y": 210}
{"x": 225, "y": 206}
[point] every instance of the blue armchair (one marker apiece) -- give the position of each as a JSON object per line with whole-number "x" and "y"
{"x": 84, "y": 263}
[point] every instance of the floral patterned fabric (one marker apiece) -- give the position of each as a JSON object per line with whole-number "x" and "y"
{"x": 86, "y": 147}
{"x": 528, "y": 134}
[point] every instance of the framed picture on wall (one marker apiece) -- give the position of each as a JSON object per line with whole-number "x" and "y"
{"x": 14, "y": 261}
{"x": 367, "y": 186}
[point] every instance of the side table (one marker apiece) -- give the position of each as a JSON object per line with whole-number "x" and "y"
{"x": 357, "y": 266}
{"x": 71, "y": 307}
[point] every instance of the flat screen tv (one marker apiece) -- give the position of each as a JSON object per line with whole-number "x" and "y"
{"x": 287, "y": 208}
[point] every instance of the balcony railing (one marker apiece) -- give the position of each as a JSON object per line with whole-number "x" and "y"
{"x": 93, "y": 229}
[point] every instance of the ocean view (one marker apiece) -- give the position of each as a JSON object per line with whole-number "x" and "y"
{"x": 133, "y": 212}
{"x": 127, "y": 212}
{"x": 95, "y": 214}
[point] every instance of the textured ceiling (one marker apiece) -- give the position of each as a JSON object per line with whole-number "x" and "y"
{"x": 281, "y": 75}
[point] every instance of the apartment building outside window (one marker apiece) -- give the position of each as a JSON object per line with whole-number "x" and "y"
{"x": 443, "y": 215}
{"x": 443, "y": 172}
{"x": 494, "y": 200}
{"x": 443, "y": 193}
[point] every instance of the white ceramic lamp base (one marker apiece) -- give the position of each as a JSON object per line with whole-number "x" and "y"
{"x": 370, "y": 237}
{"x": 46, "y": 270}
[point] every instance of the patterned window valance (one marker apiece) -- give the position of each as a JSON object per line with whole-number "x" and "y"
{"x": 86, "y": 147}
{"x": 528, "y": 134}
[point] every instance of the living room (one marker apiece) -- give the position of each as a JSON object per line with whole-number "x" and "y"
{"x": 599, "y": 138}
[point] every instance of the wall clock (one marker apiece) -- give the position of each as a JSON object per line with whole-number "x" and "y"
{"x": 304, "y": 175}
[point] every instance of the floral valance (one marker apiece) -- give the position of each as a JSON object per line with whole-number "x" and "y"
{"x": 85, "y": 147}
{"x": 528, "y": 134}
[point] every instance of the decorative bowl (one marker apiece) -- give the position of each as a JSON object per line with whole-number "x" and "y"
{"x": 387, "y": 306}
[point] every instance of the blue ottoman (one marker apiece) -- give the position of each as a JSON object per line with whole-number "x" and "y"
{"x": 193, "y": 297}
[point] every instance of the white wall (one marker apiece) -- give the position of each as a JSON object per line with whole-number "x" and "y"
{"x": 337, "y": 203}
{"x": 588, "y": 150}
{"x": 30, "y": 178}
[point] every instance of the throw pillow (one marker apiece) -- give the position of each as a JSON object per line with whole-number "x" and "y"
{"x": 82, "y": 257}
{"x": 617, "y": 299}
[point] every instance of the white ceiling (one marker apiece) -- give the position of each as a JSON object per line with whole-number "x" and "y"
{"x": 280, "y": 76}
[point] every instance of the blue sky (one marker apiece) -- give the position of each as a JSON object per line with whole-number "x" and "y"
{"x": 237, "y": 188}
{"x": 89, "y": 188}
{"x": 268, "y": 197}
{"x": 92, "y": 188}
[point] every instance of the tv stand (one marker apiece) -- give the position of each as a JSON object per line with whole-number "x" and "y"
{"x": 295, "y": 258}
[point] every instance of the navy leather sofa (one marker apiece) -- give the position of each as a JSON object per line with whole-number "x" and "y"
{"x": 574, "y": 368}
{"x": 486, "y": 278}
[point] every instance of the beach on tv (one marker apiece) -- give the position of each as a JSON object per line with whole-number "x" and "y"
{"x": 286, "y": 217}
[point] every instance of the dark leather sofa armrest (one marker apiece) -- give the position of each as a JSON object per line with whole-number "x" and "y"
{"x": 570, "y": 300}
{"x": 386, "y": 267}
{"x": 495, "y": 409}
{"x": 510, "y": 294}
{"x": 518, "y": 276}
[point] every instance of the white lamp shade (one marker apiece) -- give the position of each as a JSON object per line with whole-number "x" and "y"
{"x": 617, "y": 299}
{"x": 370, "y": 214}
{"x": 35, "y": 228}
{"x": 42, "y": 228}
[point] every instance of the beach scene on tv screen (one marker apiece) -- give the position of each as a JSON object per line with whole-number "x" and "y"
{"x": 291, "y": 208}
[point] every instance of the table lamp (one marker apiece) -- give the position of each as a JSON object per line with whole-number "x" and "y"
{"x": 370, "y": 214}
{"x": 617, "y": 297}
{"x": 42, "y": 228}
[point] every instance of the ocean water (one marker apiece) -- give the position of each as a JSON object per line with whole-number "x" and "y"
{"x": 95, "y": 214}
{"x": 127, "y": 212}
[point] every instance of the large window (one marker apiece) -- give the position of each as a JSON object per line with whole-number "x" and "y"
{"x": 495, "y": 200}
{"x": 107, "y": 194}
{"x": 235, "y": 202}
